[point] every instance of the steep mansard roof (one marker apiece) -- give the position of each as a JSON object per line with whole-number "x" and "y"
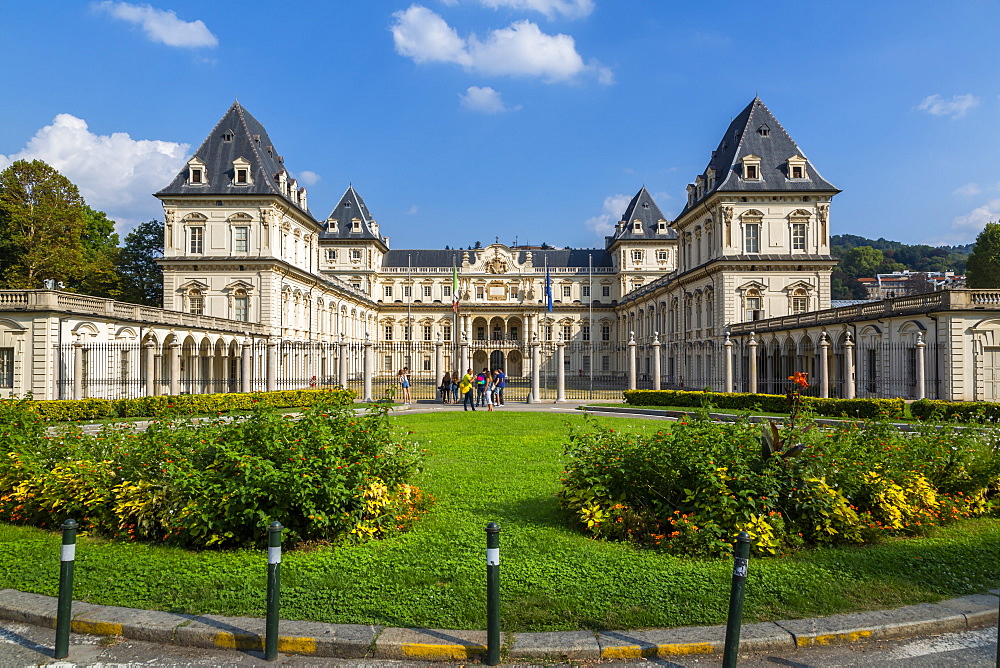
{"x": 237, "y": 135}
{"x": 446, "y": 258}
{"x": 349, "y": 207}
{"x": 755, "y": 131}
{"x": 643, "y": 208}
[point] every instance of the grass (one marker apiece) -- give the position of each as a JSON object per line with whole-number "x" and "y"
{"x": 505, "y": 467}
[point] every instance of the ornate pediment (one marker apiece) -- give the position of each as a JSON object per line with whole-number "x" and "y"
{"x": 496, "y": 259}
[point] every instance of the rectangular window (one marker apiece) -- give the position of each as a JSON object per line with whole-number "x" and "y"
{"x": 548, "y": 332}
{"x": 388, "y": 333}
{"x": 800, "y": 304}
{"x": 586, "y": 363}
{"x": 356, "y": 254}
{"x": 605, "y": 363}
{"x": 447, "y": 332}
{"x": 606, "y": 291}
{"x": 6, "y": 367}
{"x": 427, "y": 292}
{"x": 241, "y": 239}
{"x": 197, "y": 304}
{"x": 427, "y": 332}
{"x": 407, "y": 291}
{"x": 427, "y": 364}
{"x": 387, "y": 363}
{"x": 513, "y": 292}
{"x": 331, "y": 255}
{"x": 388, "y": 292}
{"x": 480, "y": 292}
{"x": 585, "y": 332}
{"x": 753, "y": 308}
{"x": 637, "y": 256}
{"x": 798, "y": 236}
{"x": 797, "y": 172}
{"x": 584, "y": 290}
{"x": 407, "y": 333}
{"x": 567, "y": 332}
{"x": 195, "y": 176}
{"x": 197, "y": 235}
{"x": 480, "y": 333}
{"x": 661, "y": 255}
{"x": 751, "y": 172}
{"x": 567, "y": 291}
{"x": 751, "y": 238}
{"x": 241, "y": 308}
{"x": 446, "y": 291}
{"x": 513, "y": 332}
{"x": 241, "y": 177}
{"x": 605, "y": 332}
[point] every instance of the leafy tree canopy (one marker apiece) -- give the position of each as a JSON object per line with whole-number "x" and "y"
{"x": 142, "y": 277}
{"x": 983, "y": 269}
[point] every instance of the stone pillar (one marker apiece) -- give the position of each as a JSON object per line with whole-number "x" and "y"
{"x": 921, "y": 366}
{"x": 560, "y": 360}
{"x": 208, "y": 385}
{"x": 536, "y": 386}
{"x": 272, "y": 364}
{"x": 367, "y": 370}
{"x": 656, "y": 360}
{"x": 727, "y": 353}
{"x": 463, "y": 356}
{"x": 149, "y": 367}
{"x": 245, "y": 372}
{"x": 175, "y": 368}
{"x": 824, "y": 366}
{"x": 849, "y": 392}
{"x": 631, "y": 360}
{"x": 438, "y": 363}
{"x": 77, "y": 370}
{"x": 752, "y": 380}
{"x": 342, "y": 362}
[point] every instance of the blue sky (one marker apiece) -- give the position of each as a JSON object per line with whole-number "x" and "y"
{"x": 465, "y": 120}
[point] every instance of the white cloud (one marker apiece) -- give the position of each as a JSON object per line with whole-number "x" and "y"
{"x": 968, "y": 190}
{"x": 935, "y": 105}
{"x": 965, "y": 228}
{"x": 160, "y": 25}
{"x": 521, "y": 49}
{"x": 611, "y": 212}
{"x": 484, "y": 100}
{"x": 115, "y": 173}
{"x": 550, "y": 8}
{"x": 308, "y": 178}
{"x": 412, "y": 211}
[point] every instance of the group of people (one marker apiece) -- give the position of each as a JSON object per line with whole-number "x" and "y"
{"x": 481, "y": 389}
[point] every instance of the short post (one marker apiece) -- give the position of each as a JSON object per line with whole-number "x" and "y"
{"x": 273, "y": 591}
{"x": 728, "y": 366}
{"x": 824, "y": 366}
{"x": 64, "y": 611}
{"x": 560, "y": 360}
{"x": 656, "y": 360}
{"x": 752, "y": 364}
{"x": 740, "y": 560}
{"x": 631, "y": 360}
{"x": 492, "y": 594}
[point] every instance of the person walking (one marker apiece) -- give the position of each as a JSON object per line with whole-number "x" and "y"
{"x": 481, "y": 387}
{"x": 445, "y": 387}
{"x": 488, "y": 392}
{"x": 454, "y": 387}
{"x": 404, "y": 383}
{"x": 501, "y": 382}
{"x": 465, "y": 388}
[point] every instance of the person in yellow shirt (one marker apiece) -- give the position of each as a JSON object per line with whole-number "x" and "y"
{"x": 465, "y": 389}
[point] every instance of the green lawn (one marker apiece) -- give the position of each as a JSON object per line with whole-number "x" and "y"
{"x": 505, "y": 467}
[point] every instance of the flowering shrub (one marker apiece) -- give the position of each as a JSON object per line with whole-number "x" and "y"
{"x": 692, "y": 488}
{"x": 873, "y": 409}
{"x": 327, "y": 475}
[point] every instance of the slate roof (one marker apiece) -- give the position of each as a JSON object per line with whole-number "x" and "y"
{"x": 755, "y": 131}
{"x": 350, "y": 206}
{"x": 236, "y": 135}
{"x": 445, "y": 258}
{"x": 644, "y": 208}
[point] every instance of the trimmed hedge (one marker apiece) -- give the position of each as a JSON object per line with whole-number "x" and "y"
{"x": 963, "y": 411}
{"x": 71, "y": 410}
{"x": 769, "y": 403}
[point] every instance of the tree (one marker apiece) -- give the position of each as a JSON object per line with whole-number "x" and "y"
{"x": 141, "y": 276}
{"x": 42, "y": 220}
{"x": 100, "y": 250}
{"x": 477, "y": 246}
{"x": 983, "y": 266}
{"x": 861, "y": 261}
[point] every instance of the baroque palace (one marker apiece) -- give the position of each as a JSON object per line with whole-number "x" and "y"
{"x": 734, "y": 294}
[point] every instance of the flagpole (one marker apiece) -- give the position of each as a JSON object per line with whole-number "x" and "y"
{"x": 593, "y": 330}
{"x": 457, "y": 351}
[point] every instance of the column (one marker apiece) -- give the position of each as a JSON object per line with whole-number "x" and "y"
{"x": 921, "y": 368}
{"x": 245, "y": 372}
{"x": 208, "y": 386}
{"x": 752, "y": 380}
{"x": 656, "y": 360}
{"x": 824, "y": 366}
{"x": 536, "y": 385}
{"x": 849, "y": 391}
{"x": 560, "y": 361}
{"x": 272, "y": 364}
{"x": 727, "y": 353}
{"x": 631, "y": 360}
{"x": 342, "y": 362}
{"x": 77, "y": 370}
{"x": 367, "y": 371}
{"x": 175, "y": 367}
{"x": 149, "y": 367}
{"x": 438, "y": 362}
{"x": 463, "y": 355}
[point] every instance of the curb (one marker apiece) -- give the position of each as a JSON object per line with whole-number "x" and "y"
{"x": 359, "y": 641}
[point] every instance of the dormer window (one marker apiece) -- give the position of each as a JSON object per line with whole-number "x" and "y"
{"x": 690, "y": 191}
{"x": 700, "y": 186}
{"x": 227, "y": 136}
{"x": 637, "y": 227}
{"x": 710, "y": 178}
{"x": 356, "y": 225}
{"x": 196, "y": 173}
{"x": 661, "y": 227}
{"x": 241, "y": 172}
{"x": 751, "y": 168}
{"x": 797, "y": 168}
{"x": 764, "y": 131}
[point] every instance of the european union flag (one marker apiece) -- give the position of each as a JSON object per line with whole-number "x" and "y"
{"x": 548, "y": 289}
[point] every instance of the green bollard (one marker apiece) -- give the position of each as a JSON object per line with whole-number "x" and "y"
{"x": 64, "y": 613}
{"x": 742, "y": 556}
{"x": 492, "y": 594}
{"x": 273, "y": 591}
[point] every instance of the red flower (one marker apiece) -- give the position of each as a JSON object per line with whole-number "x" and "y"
{"x": 799, "y": 378}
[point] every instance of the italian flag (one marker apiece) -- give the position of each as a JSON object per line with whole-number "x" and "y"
{"x": 454, "y": 289}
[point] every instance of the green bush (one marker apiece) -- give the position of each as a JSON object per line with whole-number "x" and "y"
{"x": 963, "y": 411}
{"x": 71, "y": 410}
{"x": 871, "y": 409}
{"x": 692, "y": 488}
{"x": 327, "y": 474}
